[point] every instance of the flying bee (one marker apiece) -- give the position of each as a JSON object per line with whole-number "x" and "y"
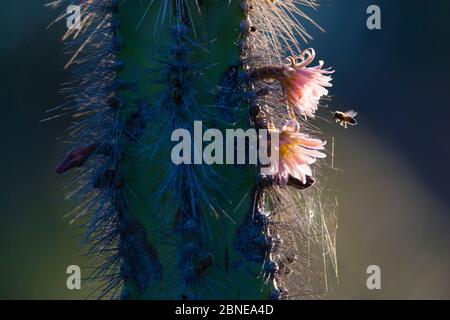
{"x": 345, "y": 118}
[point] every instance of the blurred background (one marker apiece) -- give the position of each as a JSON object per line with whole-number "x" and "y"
{"x": 393, "y": 194}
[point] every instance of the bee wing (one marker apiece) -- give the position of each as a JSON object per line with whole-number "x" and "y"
{"x": 351, "y": 113}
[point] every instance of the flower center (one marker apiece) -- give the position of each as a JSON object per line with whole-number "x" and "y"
{"x": 286, "y": 150}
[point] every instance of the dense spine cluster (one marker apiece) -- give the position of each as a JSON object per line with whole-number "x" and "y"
{"x": 163, "y": 231}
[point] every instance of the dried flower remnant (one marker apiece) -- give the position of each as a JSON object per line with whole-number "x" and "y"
{"x": 296, "y": 153}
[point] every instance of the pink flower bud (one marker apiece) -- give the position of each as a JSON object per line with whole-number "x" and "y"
{"x": 75, "y": 158}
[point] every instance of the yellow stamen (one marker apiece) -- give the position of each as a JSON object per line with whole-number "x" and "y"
{"x": 286, "y": 150}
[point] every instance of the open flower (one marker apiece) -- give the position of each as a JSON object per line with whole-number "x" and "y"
{"x": 296, "y": 153}
{"x": 303, "y": 85}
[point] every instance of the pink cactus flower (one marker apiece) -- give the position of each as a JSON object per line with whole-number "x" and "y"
{"x": 304, "y": 86}
{"x": 296, "y": 153}
{"x": 75, "y": 158}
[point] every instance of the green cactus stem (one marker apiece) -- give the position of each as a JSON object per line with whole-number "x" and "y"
{"x": 143, "y": 69}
